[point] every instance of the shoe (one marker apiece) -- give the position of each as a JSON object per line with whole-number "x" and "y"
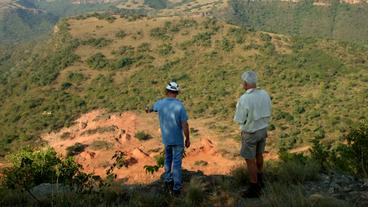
{"x": 169, "y": 186}
{"x": 176, "y": 193}
{"x": 260, "y": 180}
{"x": 254, "y": 191}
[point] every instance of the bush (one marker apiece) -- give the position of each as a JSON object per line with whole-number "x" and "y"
{"x": 353, "y": 157}
{"x": 75, "y": 149}
{"x": 240, "y": 175}
{"x": 123, "y": 62}
{"x": 31, "y": 168}
{"x": 202, "y": 39}
{"x": 195, "y": 194}
{"x": 99, "y": 130}
{"x": 101, "y": 145}
{"x": 239, "y": 34}
{"x": 293, "y": 169}
{"x": 165, "y": 49}
{"x": 160, "y": 162}
{"x": 76, "y": 77}
{"x": 226, "y": 45}
{"x": 350, "y": 157}
{"x": 160, "y": 33}
{"x": 98, "y": 61}
{"x": 265, "y": 37}
{"x": 141, "y": 135}
{"x": 121, "y": 34}
{"x": 98, "y": 43}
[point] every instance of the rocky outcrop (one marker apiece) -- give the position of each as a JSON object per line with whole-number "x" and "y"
{"x": 340, "y": 186}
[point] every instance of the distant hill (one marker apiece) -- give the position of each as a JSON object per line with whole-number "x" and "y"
{"x": 19, "y": 22}
{"x": 328, "y": 19}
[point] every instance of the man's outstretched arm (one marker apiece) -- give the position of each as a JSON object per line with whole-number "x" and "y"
{"x": 185, "y": 126}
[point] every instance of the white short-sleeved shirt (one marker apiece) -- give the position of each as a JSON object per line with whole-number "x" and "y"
{"x": 253, "y": 111}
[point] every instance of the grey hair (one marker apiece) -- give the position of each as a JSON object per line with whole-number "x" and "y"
{"x": 249, "y": 77}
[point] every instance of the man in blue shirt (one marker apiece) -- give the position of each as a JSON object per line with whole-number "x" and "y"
{"x": 173, "y": 122}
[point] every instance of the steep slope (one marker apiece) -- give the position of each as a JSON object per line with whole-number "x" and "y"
{"x": 318, "y": 86}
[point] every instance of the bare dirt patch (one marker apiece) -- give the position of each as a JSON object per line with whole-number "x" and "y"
{"x": 116, "y": 132}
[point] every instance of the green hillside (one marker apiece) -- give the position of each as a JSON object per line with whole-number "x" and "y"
{"x": 319, "y": 87}
{"x": 338, "y": 20}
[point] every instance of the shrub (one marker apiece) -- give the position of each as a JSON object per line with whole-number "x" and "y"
{"x": 76, "y": 77}
{"x": 121, "y": 34}
{"x": 98, "y": 43}
{"x": 141, "y": 135}
{"x": 265, "y": 37}
{"x": 75, "y": 149}
{"x": 293, "y": 169}
{"x": 98, "y": 61}
{"x": 239, "y": 34}
{"x": 200, "y": 163}
{"x": 160, "y": 33}
{"x": 31, "y": 168}
{"x": 101, "y": 145}
{"x": 160, "y": 162}
{"x": 127, "y": 50}
{"x": 202, "y": 39}
{"x": 352, "y": 157}
{"x": 144, "y": 47}
{"x": 195, "y": 194}
{"x": 165, "y": 49}
{"x": 320, "y": 154}
{"x": 99, "y": 130}
{"x": 123, "y": 62}
{"x": 226, "y": 45}
{"x": 240, "y": 175}
{"x": 65, "y": 135}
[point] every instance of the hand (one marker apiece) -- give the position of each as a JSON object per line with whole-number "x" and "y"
{"x": 187, "y": 143}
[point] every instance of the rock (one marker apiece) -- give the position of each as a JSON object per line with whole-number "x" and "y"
{"x": 316, "y": 197}
{"x": 139, "y": 154}
{"x": 45, "y": 190}
{"x": 83, "y": 125}
{"x": 87, "y": 155}
{"x": 364, "y": 195}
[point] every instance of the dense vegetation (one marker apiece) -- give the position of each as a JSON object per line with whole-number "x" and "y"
{"x": 338, "y": 20}
{"x": 319, "y": 87}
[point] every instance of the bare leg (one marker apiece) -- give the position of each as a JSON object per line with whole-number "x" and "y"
{"x": 252, "y": 168}
{"x": 259, "y": 158}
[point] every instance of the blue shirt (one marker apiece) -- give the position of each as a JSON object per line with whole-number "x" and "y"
{"x": 171, "y": 113}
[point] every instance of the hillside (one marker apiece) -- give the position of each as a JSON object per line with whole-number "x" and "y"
{"x": 82, "y": 93}
{"x": 318, "y": 86}
{"x": 347, "y": 21}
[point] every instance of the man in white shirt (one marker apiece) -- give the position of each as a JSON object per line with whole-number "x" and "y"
{"x": 253, "y": 113}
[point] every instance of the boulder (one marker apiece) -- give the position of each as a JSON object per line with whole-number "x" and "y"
{"x": 46, "y": 190}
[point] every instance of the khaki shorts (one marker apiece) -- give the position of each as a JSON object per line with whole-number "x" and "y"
{"x": 253, "y": 143}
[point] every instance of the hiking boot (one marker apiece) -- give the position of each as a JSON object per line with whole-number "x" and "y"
{"x": 169, "y": 186}
{"x": 254, "y": 191}
{"x": 260, "y": 180}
